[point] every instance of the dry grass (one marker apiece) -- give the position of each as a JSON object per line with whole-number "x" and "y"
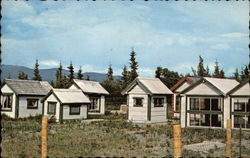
{"x": 111, "y": 137}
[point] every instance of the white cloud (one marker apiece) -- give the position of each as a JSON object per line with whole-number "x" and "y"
{"x": 221, "y": 47}
{"x": 49, "y": 63}
{"x": 235, "y": 34}
{"x": 146, "y": 72}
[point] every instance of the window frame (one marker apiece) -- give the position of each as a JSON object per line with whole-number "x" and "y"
{"x": 134, "y": 101}
{"x": 11, "y": 98}
{"x": 51, "y": 113}
{"x": 74, "y": 106}
{"x": 31, "y": 99}
{"x": 157, "y": 98}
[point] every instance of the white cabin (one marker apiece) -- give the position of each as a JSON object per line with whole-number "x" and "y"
{"x": 147, "y": 100}
{"x": 95, "y": 92}
{"x": 207, "y": 103}
{"x": 22, "y": 98}
{"x": 66, "y": 104}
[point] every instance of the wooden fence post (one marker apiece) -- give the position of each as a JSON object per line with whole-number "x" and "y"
{"x": 177, "y": 141}
{"x": 228, "y": 139}
{"x": 44, "y": 135}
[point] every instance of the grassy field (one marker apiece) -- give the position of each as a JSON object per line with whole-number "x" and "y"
{"x": 112, "y": 137}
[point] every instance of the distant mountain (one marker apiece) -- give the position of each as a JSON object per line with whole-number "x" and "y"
{"x": 12, "y": 71}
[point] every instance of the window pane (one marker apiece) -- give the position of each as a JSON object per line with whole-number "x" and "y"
{"x": 205, "y": 104}
{"x": 216, "y": 120}
{"x": 215, "y": 105}
{"x": 6, "y": 101}
{"x": 138, "y": 102}
{"x": 178, "y": 103}
{"x": 205, "y": 119}
{"x": 32, "y": 103}
{"x": 158, "y": 102}
{"x": 194, "y": 119}
{"x": 194, "y": 103}
{"x": 52, "y": 108}
{"x": 75, "y": 109}
{"x": 248, "y": 122}
{"x": 239, "y": 106}
{"x": 239, "y": 120}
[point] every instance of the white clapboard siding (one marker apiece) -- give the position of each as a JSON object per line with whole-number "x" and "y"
{"x": 243, "y": 91}
{"x": 24, "y": 111}
{"x": 158, "y": 114}
{"x": 138, "y": 113}
{"x": 183, "y": 86}
{"x": 137, "y": 90}
{"x": 203, "y": 89}
{"x": 67, "y": 116}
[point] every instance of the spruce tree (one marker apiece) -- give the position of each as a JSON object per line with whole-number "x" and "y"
{"x": 22, "y": 76}
{"x": 36, "y": 73}
{"x": 125, "y": 77}
{"x": 88, "y": 78}
{"x": 207, "y": 72}
{"x": 216, "y": 73}
{"x": 222, "y": 74}
{"x": 110, "y": 73}
{"x": 59, "y": 77}
{"x": 237, "y": 75}
{"x": 80, "y": 74}
{"x": 200, "y": 69}
{"x": 133, "y": 66}
{"x": 71, "y": 73}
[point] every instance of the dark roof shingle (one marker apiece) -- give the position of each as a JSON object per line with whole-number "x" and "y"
{"x": 29, "y": 87}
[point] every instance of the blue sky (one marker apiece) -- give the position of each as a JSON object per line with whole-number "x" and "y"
{"x": 96, "y": 34}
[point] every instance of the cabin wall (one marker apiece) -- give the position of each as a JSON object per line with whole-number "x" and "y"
{"x": 102, "y": 108}
{"x": 138, "y": 114}
{"x": 24, "y": 111}
{"x": 52, "y": 98}
{"x": 67, "y": 115}
{"x": 6, "y": 89}
{"x": 159, "y": 114}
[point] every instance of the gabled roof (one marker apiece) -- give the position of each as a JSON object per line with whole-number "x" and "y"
{"x": 221, "y": 84}
{"x": 190, "y": 80}
{"x": 90, "y": 86}
{"x": 28, "y": 87}
{"x": 68, "y": 96}
{"x": 239, "y": 86}
{"x": 150, "y": 85}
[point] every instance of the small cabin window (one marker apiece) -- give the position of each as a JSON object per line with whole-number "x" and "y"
{"x": 74, "y": 110}
{"x": 32, "y": 103}
{"x": 138, "y": 102}
{"x": 51, "y": 107}
{"x": 158, "y": 102}
{"x": 6, "y": 102}
{"x": 94, "y": 104}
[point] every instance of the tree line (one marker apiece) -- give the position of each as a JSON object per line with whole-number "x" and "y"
{"x": 130, "y": 72}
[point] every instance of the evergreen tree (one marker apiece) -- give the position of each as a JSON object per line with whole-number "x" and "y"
{"x": 158, "y": 72}
{"x": 71, "y": 73}
{"x": 110, "y": 73}
{"x": 200, "y": 69}
{"x": 222, "y": 74}
{"x": 237, "y": 75}
{"x": 207, "y": 72}
{"x": 216, "y": 73}
{"x": 133, "y": 66}
{"x": 80, "y": 74}
{"x": 36, "y": 73}
{"x": 59, "y": 77}
{"x": 244, "y": 73}
{"x": 125, "y": 77}
{"x": 22, "y": 76}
